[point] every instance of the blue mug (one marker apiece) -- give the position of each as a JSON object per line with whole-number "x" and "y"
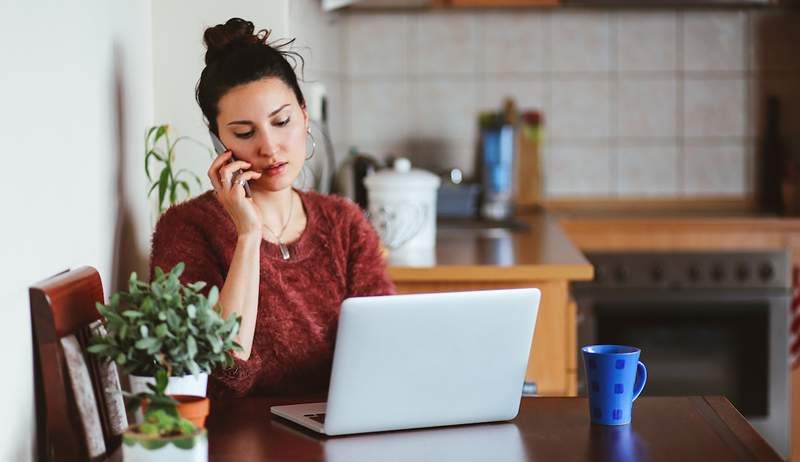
{"x": 614, "y": 379}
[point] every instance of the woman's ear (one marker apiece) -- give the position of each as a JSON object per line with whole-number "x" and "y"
{"x": 305, "y": 115}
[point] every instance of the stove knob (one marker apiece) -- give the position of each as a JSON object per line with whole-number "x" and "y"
{"x": 717, "y": 272}
{"x": 694, "y": 273}
{"x": 599, "y": 273}
{"x": 620, "y": 274}
{"x": 657, "y": 273}
{"x": 742, "y": 272}
{"x": 766, "y": 271}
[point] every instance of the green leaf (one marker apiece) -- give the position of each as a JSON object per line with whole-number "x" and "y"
{"x": 98, "y": 348}
{"x": 177, "y": 270}
{"x": 216, "y": 343}
{"x": 162, "y": 330}
{"x": 185, "y": 187}
{"x": 213, "y": 296}
{"x": 161, "y": 380}
{"x": 162, "y": 130}
{"x": 147, "y": 343}
{"x": 163, "y": 183}
{"x": 191, "y": 310}
{"x": 132, "y": 314}
{"x": 194, "y": 367}
{"x": 191, "y": 347}
{"x": 120, "y": 359}
{"x": 144, "y": 331}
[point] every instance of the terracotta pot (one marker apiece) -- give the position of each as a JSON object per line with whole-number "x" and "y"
{"x": 193, "y": 408}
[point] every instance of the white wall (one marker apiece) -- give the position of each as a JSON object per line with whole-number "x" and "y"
{"x": 63, "y": 151}
{"x": 178, "y": 57}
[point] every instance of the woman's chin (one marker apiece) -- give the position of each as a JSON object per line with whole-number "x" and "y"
{"x": 272, "y": 184}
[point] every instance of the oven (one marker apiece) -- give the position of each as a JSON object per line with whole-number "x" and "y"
{"x": 708, "y": 323}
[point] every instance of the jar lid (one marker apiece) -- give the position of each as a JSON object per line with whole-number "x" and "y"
{"x": 402, "y": 176}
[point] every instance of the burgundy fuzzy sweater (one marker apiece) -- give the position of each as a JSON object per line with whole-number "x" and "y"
{"x": 337, "y": 256}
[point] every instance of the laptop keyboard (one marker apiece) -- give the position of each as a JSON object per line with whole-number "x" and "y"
{"x": 316, "y": 417}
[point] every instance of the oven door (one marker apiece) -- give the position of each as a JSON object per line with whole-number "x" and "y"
{"x": 701, "y": 342}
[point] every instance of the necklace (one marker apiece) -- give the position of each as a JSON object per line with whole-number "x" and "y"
{"x": 284, "y": 249}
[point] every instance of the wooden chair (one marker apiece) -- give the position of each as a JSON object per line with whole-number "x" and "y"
{"x": 78, "y": 402}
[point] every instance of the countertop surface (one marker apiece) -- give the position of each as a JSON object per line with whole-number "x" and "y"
{"x": 536, "y": 249}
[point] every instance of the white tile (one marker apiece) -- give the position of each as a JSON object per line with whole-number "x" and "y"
{"x": 647, "y": 108}
{"x": 317, "y": 36}
{"x": 445, "y": 109}
{"x": 714, "y": 108}
{"x": 378, "y": 113}
{"x": 576, "y": 169}
{"x": 647, "y": 41}
{"x": 336, "y": 109}
{"x": 715, "y": 170}
{"x": 580, "y": 41}
{"x": 647, "y": 170}
{"x": 774, "y": 39}
{"x": 377, "y": 44}
{"x": 580, "y": 110}
{"x": 441, "y": 154}
{"x": 527, "y": 93}
{"x": 714, "y": 41}
{"x": 445, "y": 43}
{"x": 512, "y": 42}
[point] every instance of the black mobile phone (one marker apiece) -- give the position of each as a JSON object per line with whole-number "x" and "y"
{"x": 220, "y": 148}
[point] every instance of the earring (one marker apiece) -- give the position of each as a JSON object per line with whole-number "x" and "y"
{"x": 313, "y": 144}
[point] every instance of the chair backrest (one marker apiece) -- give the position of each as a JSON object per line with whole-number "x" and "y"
{"x": 78, "y": 399}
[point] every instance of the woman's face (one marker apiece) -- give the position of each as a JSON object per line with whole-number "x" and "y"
{"x": 263, "y": 123}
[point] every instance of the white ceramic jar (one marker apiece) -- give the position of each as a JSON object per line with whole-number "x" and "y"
{"x": 402, "y": 206}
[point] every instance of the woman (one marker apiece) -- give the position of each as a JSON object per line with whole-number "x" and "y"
{"x": 284, "y": 259}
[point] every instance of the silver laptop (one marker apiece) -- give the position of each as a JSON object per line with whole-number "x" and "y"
{"x": 425, "y": 360}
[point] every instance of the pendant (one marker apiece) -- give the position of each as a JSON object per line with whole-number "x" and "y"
{"x": 284, "y": 251}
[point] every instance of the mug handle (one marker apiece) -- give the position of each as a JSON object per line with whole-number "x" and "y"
{"x": 641, "y": 379}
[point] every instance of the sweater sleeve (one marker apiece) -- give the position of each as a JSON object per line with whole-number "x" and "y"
{"x": 176, "y": 239}
{"x": 366, "y": 266}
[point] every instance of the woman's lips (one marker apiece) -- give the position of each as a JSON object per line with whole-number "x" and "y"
{"x": 276, "y": 169}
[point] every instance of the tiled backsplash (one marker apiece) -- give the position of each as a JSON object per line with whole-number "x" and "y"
{"x": 636, "y": 103}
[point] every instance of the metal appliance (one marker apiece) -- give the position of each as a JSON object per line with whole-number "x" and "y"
{"x": 708, "y": 323}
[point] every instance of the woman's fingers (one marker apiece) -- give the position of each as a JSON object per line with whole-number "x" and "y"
{"x": 245, "y": 176}
{"x": 228, "y": 170}
{"x": 213, "y": 170}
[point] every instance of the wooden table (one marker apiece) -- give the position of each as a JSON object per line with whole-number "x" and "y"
{"x": 683, "y": 429}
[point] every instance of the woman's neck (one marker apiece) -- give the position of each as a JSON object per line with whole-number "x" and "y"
{"x": 275, "y": 207}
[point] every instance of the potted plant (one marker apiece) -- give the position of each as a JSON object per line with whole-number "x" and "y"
{"x": 163, "y": 434}
{"x": 169, "y": 179}
{"x": 166, "y": 324}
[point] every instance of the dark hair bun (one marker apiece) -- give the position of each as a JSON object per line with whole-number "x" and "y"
{"x": 235, "y": 32}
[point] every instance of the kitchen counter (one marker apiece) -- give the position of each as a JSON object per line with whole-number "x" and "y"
{"x": 538, "y": 251}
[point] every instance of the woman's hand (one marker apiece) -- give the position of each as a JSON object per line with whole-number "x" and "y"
{"x": 230, "y": 192}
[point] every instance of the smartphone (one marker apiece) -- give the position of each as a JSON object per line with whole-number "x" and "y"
{"x": 220, "y": 148}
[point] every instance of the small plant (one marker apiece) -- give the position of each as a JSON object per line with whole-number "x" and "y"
{"x": 161, "y": 419}
{"x": 167, "y": 181}
{"x": 166, "y": 325}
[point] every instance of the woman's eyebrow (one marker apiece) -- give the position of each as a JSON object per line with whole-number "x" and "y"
{"x": 247, "y": 122}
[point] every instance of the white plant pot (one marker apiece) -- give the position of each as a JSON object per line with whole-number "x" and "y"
{"x": 186, "y": 385}
{"x": 140, "y": 448}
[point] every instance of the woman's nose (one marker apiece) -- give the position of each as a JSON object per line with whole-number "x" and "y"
{"x": 267, "y": 145}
